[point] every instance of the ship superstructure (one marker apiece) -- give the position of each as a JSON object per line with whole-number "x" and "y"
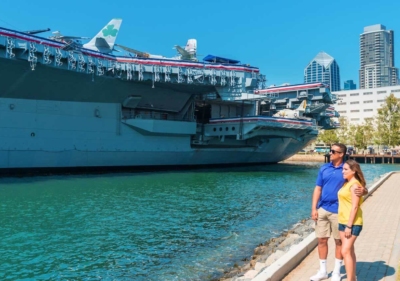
{"x": 67, "y": 106}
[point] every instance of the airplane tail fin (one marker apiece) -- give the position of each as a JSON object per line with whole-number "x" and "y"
{"x": 191, "y": 46}
{"x": 104, "y": 40}
{"x": 302, "y": 106}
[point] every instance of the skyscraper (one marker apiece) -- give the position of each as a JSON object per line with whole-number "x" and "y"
{"x": 377, "y": 58}
{"x": 323, "y": 68}
{"x": 349, "y": 85}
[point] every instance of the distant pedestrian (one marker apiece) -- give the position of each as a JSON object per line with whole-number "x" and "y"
{"x": 350, "y": 214}
{"x": 324, "y": 210}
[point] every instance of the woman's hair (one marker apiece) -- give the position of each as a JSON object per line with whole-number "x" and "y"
{"x": 358, "y": 174}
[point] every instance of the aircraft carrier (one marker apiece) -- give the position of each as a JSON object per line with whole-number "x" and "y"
{"x": 69, "y": 106}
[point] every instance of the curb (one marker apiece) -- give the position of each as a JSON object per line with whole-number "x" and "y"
{"x": 285, "y": 264}
{"x": 288, "y": 261}
{"x": 373, "y": 188}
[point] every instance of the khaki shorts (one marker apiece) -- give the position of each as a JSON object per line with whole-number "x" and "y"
{"x": 327, "y": 223}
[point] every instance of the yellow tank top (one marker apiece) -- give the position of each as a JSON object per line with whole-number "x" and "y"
{"x": 344, "y": 196}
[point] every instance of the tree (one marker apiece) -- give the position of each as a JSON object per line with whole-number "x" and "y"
{"x": 378, "y": 139}
{"x": 351, "y": 136}
{"x": 388, "y": 122}
{"x": 343, "y": 131}
{"x": 328, "y": 137}
{"x": 369, "y": 131}
{"x": 363, "y": 134}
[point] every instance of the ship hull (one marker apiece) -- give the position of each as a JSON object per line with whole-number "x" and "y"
{"x": 60, "y": 134}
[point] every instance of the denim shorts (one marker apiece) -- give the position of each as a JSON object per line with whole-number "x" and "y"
{"x": 355, "y": 230}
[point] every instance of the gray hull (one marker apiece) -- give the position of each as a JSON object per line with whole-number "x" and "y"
{"x": 56, "y": 134}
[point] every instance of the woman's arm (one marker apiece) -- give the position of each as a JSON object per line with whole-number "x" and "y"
{"x": 354, "y": 208}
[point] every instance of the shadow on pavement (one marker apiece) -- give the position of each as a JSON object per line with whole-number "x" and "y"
{"x": 376, "y": 269}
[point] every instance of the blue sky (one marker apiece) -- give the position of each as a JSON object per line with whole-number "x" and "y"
{"x": 279, "y": 37}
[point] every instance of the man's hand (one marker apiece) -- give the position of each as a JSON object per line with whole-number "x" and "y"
{"x": 360, "y": 191}
{"x": 315, "y": 199}
{"x": 314, "y": 214}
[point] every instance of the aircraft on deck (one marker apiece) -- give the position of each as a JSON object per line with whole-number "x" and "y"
{"x": 69, "y": 40}
{"x": 103, "y": 41}
{"x": 140, "y": 54}
{"x": 190, "y": 50}
{"x": 36, "y": 31}
{"x": 187, "y": 53}
{"x": 297, "y": 113}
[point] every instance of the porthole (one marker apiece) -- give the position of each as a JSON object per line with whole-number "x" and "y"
{"x": 233, "y": 128}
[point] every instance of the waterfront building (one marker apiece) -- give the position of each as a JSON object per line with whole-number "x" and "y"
{"x": 359, "y": 105}
{"x": 323, "y": 68}
{"x": 349, "y": 85}
{"x": 377, "y": 58}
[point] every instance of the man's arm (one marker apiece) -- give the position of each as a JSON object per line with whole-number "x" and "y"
{"x": 315, "y": 199}
{"x": 360, "y": 191}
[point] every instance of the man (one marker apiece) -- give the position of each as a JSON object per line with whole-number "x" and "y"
{"x": 324, "y": 209}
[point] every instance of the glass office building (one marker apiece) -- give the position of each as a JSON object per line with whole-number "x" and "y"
{"x": 377, "y": 58}
{"x": 323, "y": 68}
{"x": 349, "y": 85}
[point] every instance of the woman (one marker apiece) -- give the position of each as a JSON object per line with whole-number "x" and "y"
{"x": 350, "y": 215}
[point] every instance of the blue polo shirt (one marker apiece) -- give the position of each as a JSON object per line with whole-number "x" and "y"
{"x": 330, "y": 179}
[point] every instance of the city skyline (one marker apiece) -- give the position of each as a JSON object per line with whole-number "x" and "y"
{"x": 377, "y": 67}
{"x": 349, "y": 85}
{"x": 323, "y": 68}
{"x": 278, "y": 38}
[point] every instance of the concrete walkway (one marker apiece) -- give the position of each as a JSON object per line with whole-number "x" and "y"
{"x": 378, "y": 246}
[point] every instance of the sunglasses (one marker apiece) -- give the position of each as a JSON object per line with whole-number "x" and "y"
{"x": 334, "y": 151}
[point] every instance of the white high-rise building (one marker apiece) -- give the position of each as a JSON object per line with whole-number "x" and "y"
{"x": 323, "y": 68}
{"x": 377, "y": 58}
{"x": 359, "y": 105}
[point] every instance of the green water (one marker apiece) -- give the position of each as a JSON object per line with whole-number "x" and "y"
{"x": 185, "y": 225}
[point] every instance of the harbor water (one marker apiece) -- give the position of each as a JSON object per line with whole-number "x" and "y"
{"x": 177, "y": 225}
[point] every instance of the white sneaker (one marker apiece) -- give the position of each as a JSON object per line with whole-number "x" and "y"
{"x": 336, "y": 276}
{"x": 319, "y": 276}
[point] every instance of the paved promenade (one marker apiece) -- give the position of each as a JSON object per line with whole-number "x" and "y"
{"x": 377, "y": 248}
